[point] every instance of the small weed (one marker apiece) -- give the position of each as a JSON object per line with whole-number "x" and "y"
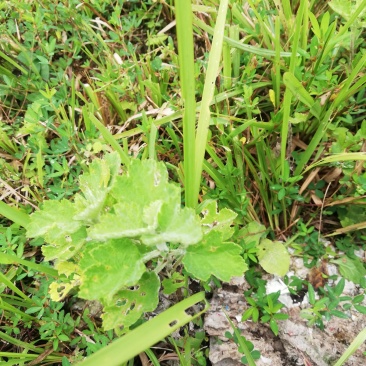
{"x": 244, "y": 346}
{"x": 266, "y": 309}
{"x": 329, "y": 303}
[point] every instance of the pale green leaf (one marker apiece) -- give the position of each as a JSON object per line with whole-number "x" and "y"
{"x": 299, "y": 118}
{"x": 107, "y": 267}
{"x": 67, "y": 280}
{"x": 252, "y": 233}
{"x": 67, "y": 268}
{"x": 220, "y": 221}
{"x": 351, "y": 269}
{"x": 128, "y": 219}
{"x": 59, "y": 290}
{"x": 145, "y": 182}
{"x": 347, "y": 8}
{"x": 127, "y": 306}
{"x": 214, "y": 257}
{"x": 65, "y": 247}
{"x": 176, "y": 225}
{"x": 149, "y": 207}
{"x": 95, "y": 185}
{"x": 53, "y": 221}
{"x": 273, "y": 257}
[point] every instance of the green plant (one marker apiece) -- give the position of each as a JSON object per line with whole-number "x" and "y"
{"x": 244, "y": 346}
{"x": 189, "y": 349}
{"x": 351, "y": 269}
{"x": 266, "y": 119}
{"x": 271, "y": 255}
{"x": 328, "y": 304}
{"x": 133, "y": 219}
{"x": 266, "y": 309}
{"x": 310, "y": 244}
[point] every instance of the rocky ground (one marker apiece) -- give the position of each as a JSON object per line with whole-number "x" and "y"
{"x": 296, "y": 344}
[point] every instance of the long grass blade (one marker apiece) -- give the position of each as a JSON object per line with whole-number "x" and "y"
{"x": 14, "y": 214}
{"x": 354, "y": 346}
{"x": 147, "y": 334}
{"x": 183, "y": 13}
{"x": 241, "y": 46}
{"x": 208, "y": 92}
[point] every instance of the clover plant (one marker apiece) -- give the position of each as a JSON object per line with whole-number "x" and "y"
{"x": 102, "y": 240}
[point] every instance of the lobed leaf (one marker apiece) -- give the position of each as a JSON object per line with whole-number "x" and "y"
{"x": 95, "y": 185}
{"x": 65, "y": 247}
{"x": 54, "y": 221}
{"x": 107, "y": 267}
{"x": 128, "y": 219}
{"x": 176, "y": 225}
{"x": 148, "y": 207}
{"x": 127, "y": 305}
{"x": 220, "y": 221}
{"x": 214, "y": 257}
{"x": 145, "y": 182}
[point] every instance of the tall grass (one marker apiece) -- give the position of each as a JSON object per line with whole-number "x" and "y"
{"x": 183, "y": 13}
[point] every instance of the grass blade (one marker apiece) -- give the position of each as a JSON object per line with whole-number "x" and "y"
{"x": 109, "y": 138}
{"x": 354, "y": 346}
{"x": 14, "y": 214}
{"x": 183, "y": 12}
{"x": 208, "y": 93}
{"x": 236, "y": 44}
{"x": 146, "y": 334}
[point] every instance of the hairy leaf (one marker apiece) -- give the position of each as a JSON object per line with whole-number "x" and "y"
{"x": 107, "y": 267}
{"x": 128, "y": 219}
{"x": 148, "y": 207}
{"x": 95, "y": 185}
{"x": 219, "y": 221}
{"x": 126, "y": 306}
{"x": 53, "y": 221}
{"x": 145, "y": 182}
{"x": 64, "y": 247}
{"x": 180, "y": 226}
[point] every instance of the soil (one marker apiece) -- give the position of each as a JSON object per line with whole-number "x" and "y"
{"x": 296, "y": 344}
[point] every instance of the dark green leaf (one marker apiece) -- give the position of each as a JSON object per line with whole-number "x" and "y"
{"x": 339, "y": 314}
{"x": 361, "y": 309}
